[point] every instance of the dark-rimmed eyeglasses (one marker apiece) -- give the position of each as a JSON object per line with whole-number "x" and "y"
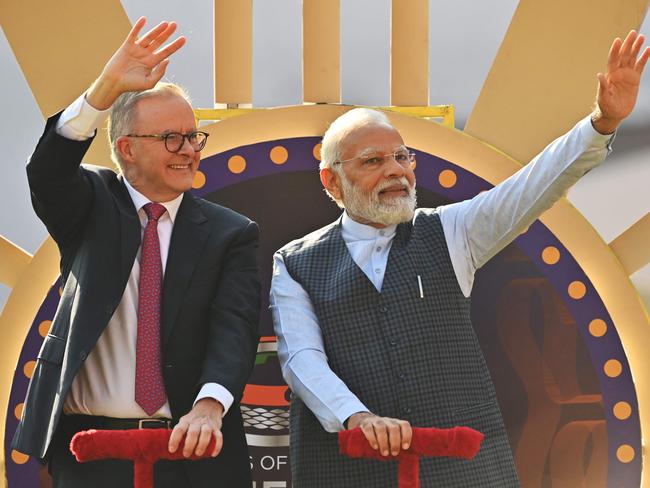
{"x": 175, "y": 140}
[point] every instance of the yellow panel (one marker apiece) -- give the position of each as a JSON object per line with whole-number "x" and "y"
{"x": 409, "y": 53}
{"x": 64, "y": 48}
{"x": 321, "y": 51}
{"x": 13, "y": 261}
{"x": 233, "y": 51}
{"x": 61, "y": 59}
{"x": 632, "y": 247}
{"x": 544, "y": 75}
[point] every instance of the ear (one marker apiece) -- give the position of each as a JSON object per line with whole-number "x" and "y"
{"x": 124, "y": 148}
{"x": 332, "y": 182}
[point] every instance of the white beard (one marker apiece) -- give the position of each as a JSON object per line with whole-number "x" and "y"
{"x": 368, "y": 206}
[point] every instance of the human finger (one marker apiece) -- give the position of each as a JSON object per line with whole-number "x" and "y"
{"x": 191, "y": 439}
{"x": 381, "y": 434}
{"x": 636, "y": 48}
{"x": 205, "y": 435}
{"x": 218, "y": 444}
{"x": 613, "y": 59}
{"x": 640, "y": 64}
{"x": 407, "y": 433}
{"x": 162, "y": 36}
{"x": 171, "y": 48}
{"x": 626, "y": 47}
{"x": 177, "y": 436}
{"x": 369, "y": 431}
{"x": 146, "y": 39}
{"x": 158, "y": 72}
{"x": 394, "y": 437}
{"x": 135, "y": 30}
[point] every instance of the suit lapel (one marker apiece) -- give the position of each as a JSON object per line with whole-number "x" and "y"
{"x": 187, "y": 241}
{"x": 130, "y": 232}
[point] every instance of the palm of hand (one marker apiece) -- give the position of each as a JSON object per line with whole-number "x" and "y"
{"x": 136, "y": 65}
{"x": 621, "y": 88}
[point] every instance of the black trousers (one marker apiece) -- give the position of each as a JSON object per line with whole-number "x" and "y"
{"x": 66, "y": 472}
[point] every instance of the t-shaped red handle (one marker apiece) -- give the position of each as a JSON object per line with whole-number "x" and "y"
{"x": 143, "y": 446}
{"x": 461, "y": 442}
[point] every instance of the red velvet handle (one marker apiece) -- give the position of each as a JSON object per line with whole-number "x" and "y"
{"x": 461, "y": 442}
{"x": 144, "y": 447}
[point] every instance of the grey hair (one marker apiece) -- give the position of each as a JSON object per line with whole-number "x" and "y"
{"x": 330, "y": 151}
{"x": 120, "y": 120}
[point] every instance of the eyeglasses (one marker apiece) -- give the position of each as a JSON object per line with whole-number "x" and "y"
{"x": 371, "y": 162}
{"x": 175, "y": 140}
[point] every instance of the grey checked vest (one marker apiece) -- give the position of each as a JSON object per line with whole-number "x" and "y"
{"x": 404, "y": 356}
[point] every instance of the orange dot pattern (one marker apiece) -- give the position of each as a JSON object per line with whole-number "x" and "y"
{"x": 199, "y": 180}
{"x": 279, "y": 155}
{"x": 236, "y": 164}
{"x": 551, "y": 255}
{"x": 447, "y": 178}
{"x": 44, "y": 328}
{"x": 625, "y": 453}
{"x": 18, "y": 410}
{"x": 597, "y": 327}
{"x": 19, "y": 457}
{"x": 577, "y": 290}
{"x": 613, "y": 368}
{"x": 622, "y": 410}
{"x": 316, "y": 151}
{"x": 28, "y": 368}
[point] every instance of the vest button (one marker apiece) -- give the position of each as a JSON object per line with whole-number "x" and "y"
{"x": 393, "y": 343}
{"x": 402, "y": 376}
{"x": 406, "y": 410}
{"x": 383, "y": 309}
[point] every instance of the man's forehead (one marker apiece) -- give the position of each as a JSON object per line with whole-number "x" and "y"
{"x": 163, "y": 110}
{"x": 378, "y": 150}
{"x": 372, "y": 139}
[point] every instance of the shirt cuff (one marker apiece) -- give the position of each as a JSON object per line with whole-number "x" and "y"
{"x": 348, "y": 410}
{"x": 80, "y": 120}
{"x": 217, "y": 392}
{"x": 597, "y": 139}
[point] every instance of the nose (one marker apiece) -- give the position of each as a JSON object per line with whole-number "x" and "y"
{"x": 186, "y": 148}
{"x": 392, "y": 168}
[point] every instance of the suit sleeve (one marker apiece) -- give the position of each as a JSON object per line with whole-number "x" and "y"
{"x": 234, "y": 316}
{"x": 60, "y": 191}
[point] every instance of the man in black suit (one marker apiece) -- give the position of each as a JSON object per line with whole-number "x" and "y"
{"x": 157, "y": 322}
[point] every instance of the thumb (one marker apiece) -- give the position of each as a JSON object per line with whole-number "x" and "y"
{"x": 158, "y": 72}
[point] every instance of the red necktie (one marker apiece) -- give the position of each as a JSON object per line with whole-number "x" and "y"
{"x": 149, "y": 387}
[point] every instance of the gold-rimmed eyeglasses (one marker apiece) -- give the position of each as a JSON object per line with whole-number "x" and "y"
{"x": 373, "y": 161}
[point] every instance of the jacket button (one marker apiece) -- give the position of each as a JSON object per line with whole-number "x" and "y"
{"x": 83, "y": 355}
{"x": 169, "y": 366}
{"x": 109, "y": 310}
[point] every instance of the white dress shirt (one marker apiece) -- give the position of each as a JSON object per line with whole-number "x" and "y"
{"x": 475, "y": 230}
{"x": 105, "y": 384}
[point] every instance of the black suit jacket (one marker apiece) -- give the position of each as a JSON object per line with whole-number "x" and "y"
{"x": 210, "y": 297}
